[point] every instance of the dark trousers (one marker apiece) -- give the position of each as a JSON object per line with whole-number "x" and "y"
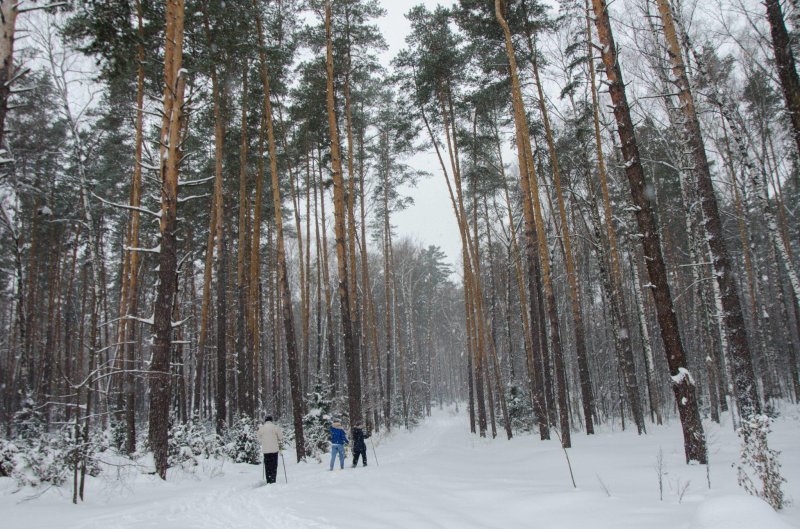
{"x": 271, "y": 466}
{"x": 362, "y": 453}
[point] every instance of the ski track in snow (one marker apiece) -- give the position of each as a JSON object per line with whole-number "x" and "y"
{"x": 439, "y": 476}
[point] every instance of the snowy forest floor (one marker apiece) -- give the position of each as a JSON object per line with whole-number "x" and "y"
{"x": 441, "y": 476}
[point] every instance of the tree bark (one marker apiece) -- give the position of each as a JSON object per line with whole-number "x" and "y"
{"x": 785, "y": 63}
{"x": 171, "y": 126}
{"x": 298, "y": 405}
{"x": 9, "y": 9}
{"x": 129, "y": 356}
{"x": 243, "y": 363}
{"x": 733, "y": 317}
{"x": 682, "y": 382}
{"x": 351, "y": 356}
{"x": 616, "y": 294}
{"x": 534, "y": 226}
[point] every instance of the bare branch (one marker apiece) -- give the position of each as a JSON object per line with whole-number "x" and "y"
{"x": 37, "y": 8}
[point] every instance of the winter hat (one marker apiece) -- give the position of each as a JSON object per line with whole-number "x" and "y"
{"x": 268, "y": 418}
{"x": 337, "y": 424}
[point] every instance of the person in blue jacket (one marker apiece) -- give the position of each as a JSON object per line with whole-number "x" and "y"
{"x": 338, "y": 442}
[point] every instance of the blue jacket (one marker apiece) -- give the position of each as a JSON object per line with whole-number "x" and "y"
{"x": 338, "y": 437}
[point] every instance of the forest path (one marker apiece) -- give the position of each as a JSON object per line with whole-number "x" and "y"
{"x": 440, "y": 476}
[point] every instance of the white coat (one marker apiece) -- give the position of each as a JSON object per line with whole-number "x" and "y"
{"x": 270, "y": 437}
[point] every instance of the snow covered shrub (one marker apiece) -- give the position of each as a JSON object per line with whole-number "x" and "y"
{"x": 38, "y": 457}
{"x": 190, "y": 440}
{"x": 71, "y": 451}
{"x": 758, "y": 463}
{"x": 28, "y": 423}
{"x": 317, "y": 421}
{"x": 117, "y": 434}
{"x": 43, "y": 465}
{"x": 397, "y": 417}
{"x": 416, "y": 411}
{"x": 8, "y": 458}
{"x": 49, "y": 458}
{"x": 771, "y": 408}
{"x": 519, "y": 409}
{"x": 241, "y": 443}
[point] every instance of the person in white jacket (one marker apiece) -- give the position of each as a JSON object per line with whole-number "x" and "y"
{"x": 270, "y": 437}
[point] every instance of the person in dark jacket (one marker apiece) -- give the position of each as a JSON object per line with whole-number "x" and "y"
{"x": 359, "y": 446}
{"x": 338, "y": 441}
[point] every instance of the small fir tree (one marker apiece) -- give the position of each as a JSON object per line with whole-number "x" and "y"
{"x": 317, "y": 420}
{"x": 242, "y": 444}
{"x": 28, "y": 422}
{"x": 520, "y": 411}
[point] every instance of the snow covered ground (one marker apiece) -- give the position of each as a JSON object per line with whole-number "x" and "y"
{"x": 441, "y": 476}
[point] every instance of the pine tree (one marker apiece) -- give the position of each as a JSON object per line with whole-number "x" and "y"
{"x": 682, "y": 381}
{"x": 170, "y": 155}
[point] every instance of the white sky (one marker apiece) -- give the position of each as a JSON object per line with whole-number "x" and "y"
{"x": 431, "y": 219}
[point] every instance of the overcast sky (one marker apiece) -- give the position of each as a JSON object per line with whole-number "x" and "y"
{"x": 431, "y": 219}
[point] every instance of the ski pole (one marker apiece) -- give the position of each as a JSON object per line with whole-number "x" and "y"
{"x": 373, "y": 452}
{"x": 265, "y": 467}
{"x": 283, "y": 462}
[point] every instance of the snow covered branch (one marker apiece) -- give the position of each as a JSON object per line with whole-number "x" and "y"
{"x": 154, "y": 249}
{"x": 126, "y": 206}
{"x": 196, "y": 182}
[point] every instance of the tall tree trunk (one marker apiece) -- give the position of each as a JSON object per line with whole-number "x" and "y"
{"x": 616, "y": 295}
{"x": 171, "y": 126}
{"x": 530, "y": 320}
{"x": 129, "y": 356}
{"x": 351, "y": 356}
{"x": 355, "y": 302}
{"x": 243, "y": 363}
{"x": 733, "y": 317}
{"x": 221, "y": 400}
{"x": 201, "y": 358}
{"x": 318, "y": 249}
{"x": 330, "y": 323}
{"x": 298, "y": 406}
{"x": 473, "y": 348}
{"x": 370, "y": 322}
{"x": 785, "y": 62}
{"x": 682, "y": 382}
{"x": 294, "y": 187}
{"x": 534, "y": 226}
{"x": 388, "y": 271}
{"x": 587, "y": 398}
{"x": 255, "y": 310}
{"x": 9, "y": 9}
